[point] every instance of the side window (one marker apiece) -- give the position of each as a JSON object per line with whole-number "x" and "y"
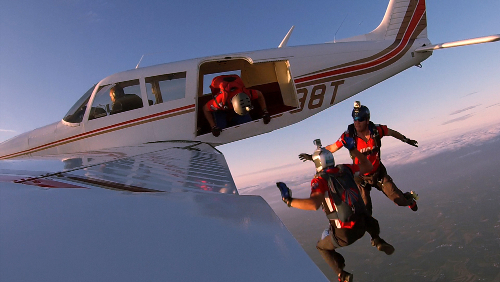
{"x": 116, "y": 98}
{"x": 167, "y": 87}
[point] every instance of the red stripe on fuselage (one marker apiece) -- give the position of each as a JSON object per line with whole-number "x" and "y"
{"x": 78, "y": 136}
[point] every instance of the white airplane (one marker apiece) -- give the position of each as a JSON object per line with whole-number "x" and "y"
{"x": 143, "y": 193}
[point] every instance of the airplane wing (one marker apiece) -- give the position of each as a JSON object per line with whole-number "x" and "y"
{"x": 156, "y": 212}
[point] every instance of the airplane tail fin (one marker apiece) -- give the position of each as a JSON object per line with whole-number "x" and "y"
{"x": 402, "y": 18}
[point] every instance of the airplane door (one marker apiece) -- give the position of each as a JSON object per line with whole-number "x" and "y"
{"x": 272, "y": 78}
{"x": 115, "y": 112}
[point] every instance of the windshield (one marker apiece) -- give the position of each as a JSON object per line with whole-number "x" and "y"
{"x": 75, "y": 114}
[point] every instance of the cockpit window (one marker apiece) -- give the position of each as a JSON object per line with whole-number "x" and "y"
{"x": 75, "y": 114}
{"x": 167, "y": 87}
{"x": 116, "y": 98}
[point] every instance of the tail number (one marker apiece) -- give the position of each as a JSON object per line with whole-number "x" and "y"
{"x": 317, "y": 96}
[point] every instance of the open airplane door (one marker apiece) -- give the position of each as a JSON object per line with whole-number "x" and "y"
{"x": 272, "y": 78}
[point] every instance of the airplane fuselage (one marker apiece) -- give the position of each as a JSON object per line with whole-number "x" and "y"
{"x": 165, "y": 102}
{"x": 311, "y": 79}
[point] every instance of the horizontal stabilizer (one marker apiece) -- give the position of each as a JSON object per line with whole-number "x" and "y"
{"x": 477, "y": 40}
